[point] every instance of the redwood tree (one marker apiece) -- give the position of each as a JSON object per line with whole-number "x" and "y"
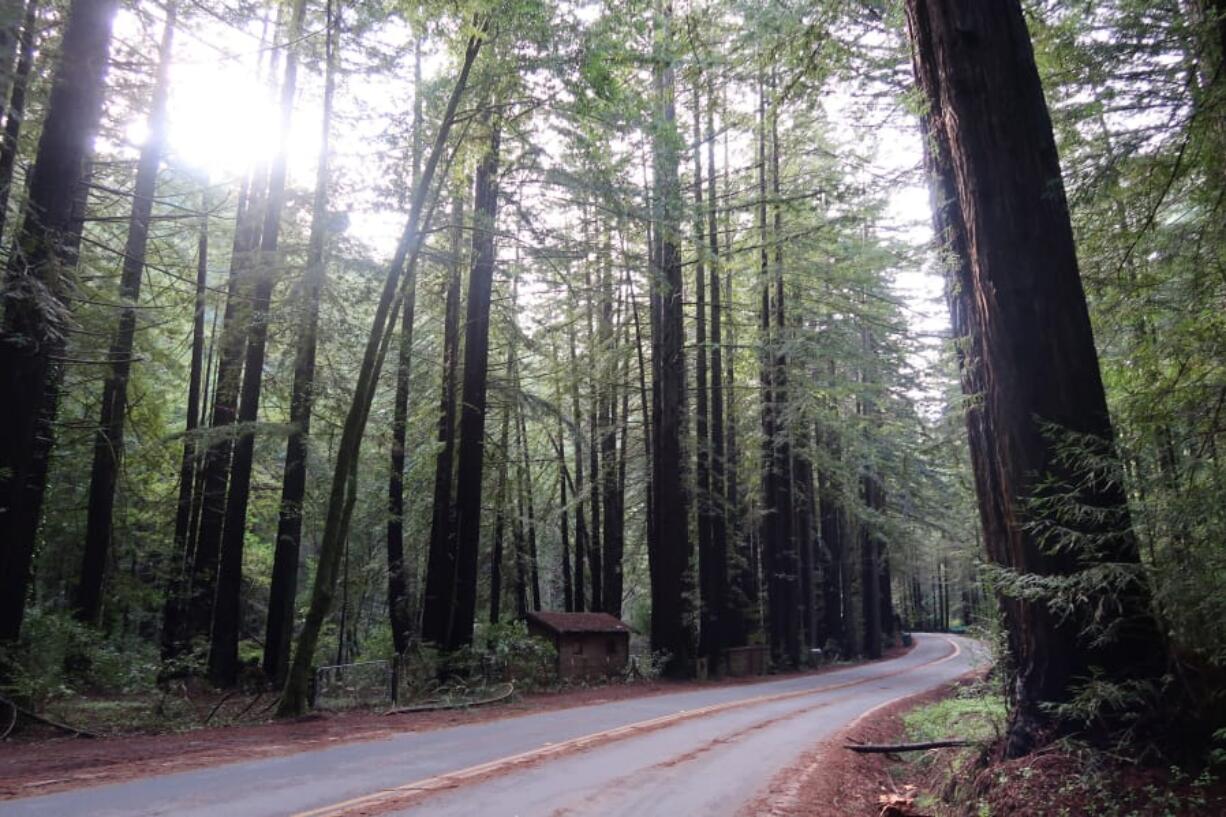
{"x": 1001, "y": 211}
{"x": 284, "y": 585}
{"x": 471, "y": 457}
{"x": 109, "y": 438}
{"x": 37, "y": 278}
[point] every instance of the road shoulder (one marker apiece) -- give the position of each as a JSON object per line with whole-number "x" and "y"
{"x": 830, "y": 781}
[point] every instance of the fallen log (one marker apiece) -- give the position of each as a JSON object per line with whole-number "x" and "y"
{"x": 886, "y": 748}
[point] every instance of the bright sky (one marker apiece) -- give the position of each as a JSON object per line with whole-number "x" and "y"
{"x": 222, "y": 120}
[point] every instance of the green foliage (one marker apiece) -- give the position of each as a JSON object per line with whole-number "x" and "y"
{"x": 975, "y": 713}
{"x": 59, "y": 657}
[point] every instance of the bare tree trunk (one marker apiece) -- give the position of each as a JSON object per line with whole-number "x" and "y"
{"x": 398, "y": 602}
{"x": 669, "y": 552}
{"x": 197, "y": 388}
{"x": 500, "y": 518}
{"x": 283, "y": 590}
{"x": 581, "y": 538}
{"x": 17, "y": 107}
{"x": 715, "y": 592}
{"x": 227, "y": 610}
{"x": 709, "y": 637}
{"x": 109, "y": 439}
{"x": 38, "y": 278}
{"x": 611, "y": 494}
{"x": 595, "y": 558}
{"x": 440, "y": 558}
{"x": 471, "y": 458}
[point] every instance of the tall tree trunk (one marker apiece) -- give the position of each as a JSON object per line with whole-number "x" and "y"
{"x": 17, "y": 107}
{"x": 283, "y": 590}
{"x": 440, "y": 558}
{"x": 669, "y": 552}
{"x": 568, "y": 590}
{"x": 595, "y": 558}
{"x": 990, "y": 144}
{"x": 611, "y": 494}
{"x": 227, "y": 610}
{"x": 398, "y": 603}
{"x": 500, "y": 519}
{"x": 172, "y": 610}
{"x": 532, "y": 566}
{"x": 581, "y": 538}
{"x": 770, "y": 527}
{"x": 109, "y": 438}
{"x": 787, "y": 562}
{"x": 343, "y": 493}
{"x": 709, "y": 638}
{"x": 870, "y": 568}
{"x": 521, "y": 490}
{"x": 215, "y": 465}
{"x": 833, "y": 535}
{"x": 471, "y": 457}
{"x": 37, "y": 280}
{"x": 716, "y": 594}
{"x": 743, "y": 590}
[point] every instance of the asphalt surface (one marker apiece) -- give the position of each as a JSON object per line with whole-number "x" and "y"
{"x": 707, "y": 752}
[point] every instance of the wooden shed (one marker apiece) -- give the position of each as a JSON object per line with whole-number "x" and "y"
{"x": 588, "y": 644}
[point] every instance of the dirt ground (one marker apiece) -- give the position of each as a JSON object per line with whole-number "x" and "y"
{"x": 831, "y": 781}
{"x": 37, "y": 763}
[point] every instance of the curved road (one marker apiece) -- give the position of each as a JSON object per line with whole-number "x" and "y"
{"x": 706, "y": 752}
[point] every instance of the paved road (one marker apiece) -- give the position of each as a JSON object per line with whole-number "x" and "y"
{"x": 704, "y": 752}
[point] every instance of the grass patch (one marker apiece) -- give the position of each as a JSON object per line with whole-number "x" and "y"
{"x": 974, "y": 714}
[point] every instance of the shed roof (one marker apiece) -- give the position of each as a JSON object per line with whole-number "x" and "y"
{"x": 579, "y": 622}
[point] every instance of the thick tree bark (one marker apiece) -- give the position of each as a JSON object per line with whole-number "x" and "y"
{"x": 109, "y": 439}
{"x": 17, "y": 107}
{"x": 440, "y": 558}
{"x": 37, "y": 279}
{"x": 398, "y": 601}
{"x": 1001, "y": 209}
{"x": 343, "y": 493}
{"x": 669, "y": 552}
{"x": 471, "y": 456}
{"x": 283, "y": 590}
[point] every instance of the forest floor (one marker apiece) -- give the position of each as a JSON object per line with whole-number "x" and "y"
{"x": 40, "y": 761}
{"x": 1061, "y": 780}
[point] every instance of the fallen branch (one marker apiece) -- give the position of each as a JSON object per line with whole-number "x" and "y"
{"x": 886, "y": 748}
{"x": 441, "y": 705}
{"x": 217, "y": 706}
{"x": 72, "y": 730}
